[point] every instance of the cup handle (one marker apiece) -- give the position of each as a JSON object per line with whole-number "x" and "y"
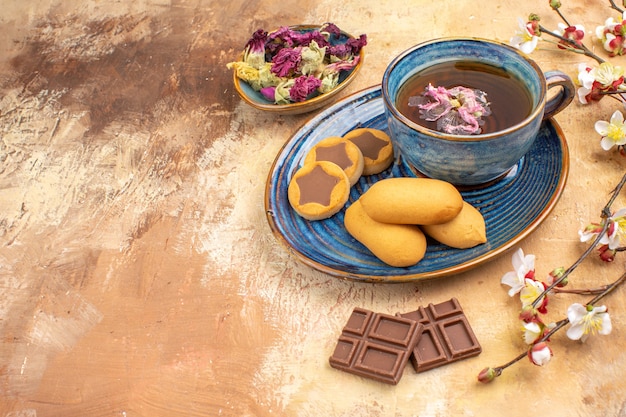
{"x": 563, "y": 98}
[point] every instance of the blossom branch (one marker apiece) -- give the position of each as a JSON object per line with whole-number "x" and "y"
{"x": 588, "y": 291}
{"x": 489, "y": 374}
{"x": 571, "y": 45}
{"x": 539, "y": 346}
{"x": 580, "y": 291}
{"x": 606, "y": 213}
{"x": 556, "y": 8}
{"x": 617, "y": 95}
{"x": 606, "y": 235}
{"x": 497, "y": 371}
{"x": 608, "y": 290}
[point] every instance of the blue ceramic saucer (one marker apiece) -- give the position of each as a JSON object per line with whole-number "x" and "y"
{"x": 513, "y": 206}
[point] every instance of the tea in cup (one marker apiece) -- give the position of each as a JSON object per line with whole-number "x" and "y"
{"x": 466, "y": 110}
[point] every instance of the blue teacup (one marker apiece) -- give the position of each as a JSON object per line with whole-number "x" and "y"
{"x": 469, "y": 160}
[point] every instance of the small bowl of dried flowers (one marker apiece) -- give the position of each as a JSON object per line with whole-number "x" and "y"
{"x": 297, "y": 69}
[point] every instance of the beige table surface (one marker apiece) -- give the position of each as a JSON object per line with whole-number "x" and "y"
{"x": 139, "y": 276}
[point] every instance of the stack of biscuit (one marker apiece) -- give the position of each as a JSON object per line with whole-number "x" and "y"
{"x": 321, "y": 187}
{"x": 392, "y": 217}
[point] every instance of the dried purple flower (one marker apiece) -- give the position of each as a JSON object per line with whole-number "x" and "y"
{"x": 339, "y": 66}
{"x": 352, "y": 47}
{"x": 254, "y": 52}
{"x": 357, "y": 43}
{"x": 303, "y": 86}
{"x": 269, "y": 93}
{"x": 331, "y": 28}
{"x": 286, "y": 61}
{"x": 272, "y": 62}
{"x": 283, "y": 35}
{"x": 257, "y": 42}
{"x": 341, "y": 51}
{"x": 314, "y": 35}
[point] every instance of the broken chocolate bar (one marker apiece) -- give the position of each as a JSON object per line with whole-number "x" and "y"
{"x": 446, "y": 335}
{"x": 375, "y": 346}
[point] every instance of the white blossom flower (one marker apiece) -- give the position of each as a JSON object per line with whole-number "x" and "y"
{"x": 532, "y": 331}
{"x": 585, "y": 80}
{"x": 607, "y": 73}
{"x": 606, "y": 33}
{"x": 562, "y": 26}
{"x": 523, "y": 266}
{"x": 617, "y": 231}
{"x": 613, "y": 132}
{"x": 531, "y": 291}
{"x": 615, "y": 235}
{"x": 590, "y": 232}
{"x": 585, "y": 76}
{"x": 609, "y": 25}
{"x": 574, "y": 33}
{"x": 524, "y": 39}
{"x": 609, "y": 42}
{"x": 594, "y": 81}
{"x": 586, "y": 320}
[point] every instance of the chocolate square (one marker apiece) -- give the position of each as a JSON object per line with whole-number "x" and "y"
{"x": 375, "y": 346}
{"x": 446, "y": 335}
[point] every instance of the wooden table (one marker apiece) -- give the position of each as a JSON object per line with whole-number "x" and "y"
{"x": 138, "y": 273}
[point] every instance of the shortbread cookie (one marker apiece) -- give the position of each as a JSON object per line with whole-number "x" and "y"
{"x": 318, "y": 190}
{"x": 341, "y": 152}
{"x": 376, "y": 147}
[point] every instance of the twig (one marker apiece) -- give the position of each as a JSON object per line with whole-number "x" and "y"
{"x": 618, "y": 188}
{"x": 600, "y": 292}
{"x": 609, "y": 290}
{"x": 615, "y": 7}
{"x": 606, "y": 213}
{"x": 558, "y": 11}
{"x": 588, "y": 291}
{"x": 559, "y": 325}
{"x": 572, "y": 46}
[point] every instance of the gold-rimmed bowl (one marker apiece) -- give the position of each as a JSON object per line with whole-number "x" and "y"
{"x": 318, "y": 100}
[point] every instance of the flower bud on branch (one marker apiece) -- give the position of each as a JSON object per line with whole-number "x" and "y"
{"x": 587, "y": 319}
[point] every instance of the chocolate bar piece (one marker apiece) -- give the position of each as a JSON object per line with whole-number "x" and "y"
{"x": 446, "y": 336}
{"x": 376, "y": 346}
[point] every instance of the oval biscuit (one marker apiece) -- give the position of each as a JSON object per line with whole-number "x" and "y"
{"x": 412, "y": 201}
{"x": 466, "y": 230}
{"x": 397, "y": 245}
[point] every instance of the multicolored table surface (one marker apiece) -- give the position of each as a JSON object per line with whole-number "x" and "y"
{"x": 139, "y": 275}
